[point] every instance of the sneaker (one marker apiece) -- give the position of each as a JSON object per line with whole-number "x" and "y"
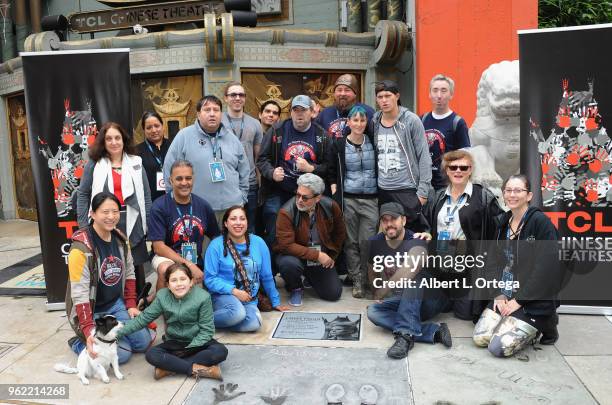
{"x": 295, "y": 299}
{"x": 72, "y": 341}
{"x": 401, "y": 347}
{"x": 443, "y": 335}
{"x": 306, "y": 283}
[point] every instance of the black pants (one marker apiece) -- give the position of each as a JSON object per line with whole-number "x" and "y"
{"x": 325, "y": 282}
{"x": 172, "y": 356}
{"x": 407, "y": 198}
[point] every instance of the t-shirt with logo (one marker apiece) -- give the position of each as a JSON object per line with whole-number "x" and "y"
{"x": 195, "y": 220}
{"x": 378, "y": 246}
{"x": 296, "y": 144}
{"x": 441, "y": 139}
{"x": 334, "y": 121}
{"x": 111, "y": 270}
{"x": 393, "y": 170}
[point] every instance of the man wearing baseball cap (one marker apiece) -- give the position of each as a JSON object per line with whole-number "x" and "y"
{"x": 290, "y": 148}
{"x": 333, "y": 119}
{"x": 405, "y": 308}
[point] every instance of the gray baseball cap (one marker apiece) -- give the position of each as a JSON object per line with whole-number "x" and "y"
{"x": 392, "y": 208}
{"x": 301, "y": 101}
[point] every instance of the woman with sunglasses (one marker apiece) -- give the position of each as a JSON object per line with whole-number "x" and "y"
{"x": 352, "y": 176}
{"x": 525, "y": 304}
{"x": 463, "y": 211}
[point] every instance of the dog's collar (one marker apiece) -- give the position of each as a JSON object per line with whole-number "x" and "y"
{"x": 106, "y": 341}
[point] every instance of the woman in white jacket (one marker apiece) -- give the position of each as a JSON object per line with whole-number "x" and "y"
{"x": 114, "y": 167}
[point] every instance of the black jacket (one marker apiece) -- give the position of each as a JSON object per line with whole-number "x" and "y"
{"x": 337, "y": 165}
{"x": 270, "y": 155}
{"x": 536, "y": 261}
{"x": 150, "y": 164}
{"x": 477, "y": 216}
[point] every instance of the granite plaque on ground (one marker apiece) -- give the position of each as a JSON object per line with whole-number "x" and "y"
{"x": 291, "y": 375}
{"x": 318, "y": 326}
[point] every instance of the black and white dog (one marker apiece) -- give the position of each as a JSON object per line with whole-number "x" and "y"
{"x": 105, "y": 345}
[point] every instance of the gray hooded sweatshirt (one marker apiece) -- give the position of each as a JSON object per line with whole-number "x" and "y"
{"x": 413, "y": 146}
{"x": 196, "y": 146}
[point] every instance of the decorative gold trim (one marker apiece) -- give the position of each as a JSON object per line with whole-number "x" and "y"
{"x": 361, "y": 73}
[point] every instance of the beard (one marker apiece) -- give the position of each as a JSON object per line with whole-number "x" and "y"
{"x": 343, "y": 104}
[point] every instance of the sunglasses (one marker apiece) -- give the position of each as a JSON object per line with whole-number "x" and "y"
{"x": 236, "y": 95}
{"x": 454, "y": 168}
{"x": 299, "y": 196}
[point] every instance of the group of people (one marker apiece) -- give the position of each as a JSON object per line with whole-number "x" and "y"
{"x": 232, "y": 201}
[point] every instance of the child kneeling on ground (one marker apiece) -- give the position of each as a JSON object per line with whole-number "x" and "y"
{"x": 188, "y": 347}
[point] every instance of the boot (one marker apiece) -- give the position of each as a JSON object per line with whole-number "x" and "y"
{"x": 160, "y": 373}
{"x": 550, "y": 334}
{"x": 200, "y": 371}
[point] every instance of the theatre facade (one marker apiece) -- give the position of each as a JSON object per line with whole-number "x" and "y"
{"x": 194, "y": 47}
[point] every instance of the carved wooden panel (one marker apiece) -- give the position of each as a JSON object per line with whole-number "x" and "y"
{"x": 282, "y": 86}
{"x": 174, "y": 98}
{"x": 20, "y": 150}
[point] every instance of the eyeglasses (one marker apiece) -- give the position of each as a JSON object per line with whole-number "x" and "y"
{"x": 514, "y": 190}
{"x": 304, "y": 197}
{"x": 454, "y": 168}
{"x": 236, "y": 95}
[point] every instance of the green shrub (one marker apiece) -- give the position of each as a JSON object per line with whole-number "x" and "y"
{"x": 563, "y": 13}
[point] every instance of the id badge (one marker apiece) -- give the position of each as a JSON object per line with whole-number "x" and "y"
{"x": 443, "y": 241}
{"x": 310, "y": 262}
{"x": 217, "y": 172}
{"x": 189, "y": 251}
{"x": 507, "y": 279}
{"x": 161, "y": 184}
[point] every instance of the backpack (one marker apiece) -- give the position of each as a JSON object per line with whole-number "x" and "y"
{"x": 455, "y": 120}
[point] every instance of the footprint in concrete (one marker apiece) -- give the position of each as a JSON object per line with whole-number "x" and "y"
{"x": 368, "y": 395}
{"x": 225, "y": 392}
{"x": 278, "y": 396}
{"x": 334, "y": 394}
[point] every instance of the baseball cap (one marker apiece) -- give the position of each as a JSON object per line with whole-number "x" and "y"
{"x": 392, "y": 208}
{"x": 347, "y": 80}
{"x": 301, "y": 101}
{"x": 387, "y": 85}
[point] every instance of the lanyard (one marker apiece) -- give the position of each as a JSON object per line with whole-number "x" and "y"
{"x": 159, "y": 161}
{"x": 518, "y": 230}
{"x": 450, "y": 215}
{"x": 216, "y": 148}
{"x": 187, "y": 230}
{"x": 232, "y": 125}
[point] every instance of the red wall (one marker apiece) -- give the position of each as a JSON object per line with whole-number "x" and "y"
{"x": 461, "y": 38}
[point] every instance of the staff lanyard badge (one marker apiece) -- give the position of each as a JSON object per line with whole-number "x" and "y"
{"x": 313, "y": 262}
{"x": 444, "y": 236}
{"x": 507, "y": 276}
{"x": 189, "y": 250}
{"x": 159, "y": 181}
{"x": 217, "y": 171}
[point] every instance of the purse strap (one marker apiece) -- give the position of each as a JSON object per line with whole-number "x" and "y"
{"x": 240, "y": 266}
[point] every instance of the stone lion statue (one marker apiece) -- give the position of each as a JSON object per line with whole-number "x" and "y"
{"x": 495, "y": 133}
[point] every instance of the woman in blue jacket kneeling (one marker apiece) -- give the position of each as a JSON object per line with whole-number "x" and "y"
{"x": 236, "y": 264}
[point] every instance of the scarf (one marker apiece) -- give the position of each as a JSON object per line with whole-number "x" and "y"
{"x": 131, "y": 183}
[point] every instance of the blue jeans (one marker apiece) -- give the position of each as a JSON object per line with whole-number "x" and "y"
{"x": 405, "y": 313}
{"x": 137, "y": 342}
{"x": 232, "y": 314}
{"x": 270, "y": 209}
{"x": 251, "y": 208}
